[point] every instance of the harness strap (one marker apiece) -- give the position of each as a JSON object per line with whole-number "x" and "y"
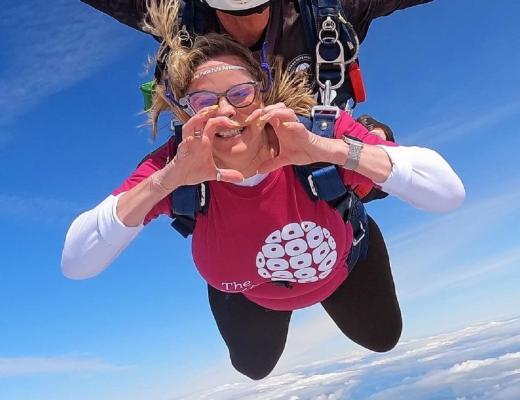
{"x": 187, "y": 201}
{"x": 359, "y": 220}
{"x": 323, "y": 182}
{"x": 309, "y": 26}
{"x": 187, "y": 14}
{"x": 197, "y": 17}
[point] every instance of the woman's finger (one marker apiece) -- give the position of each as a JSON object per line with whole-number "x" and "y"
{"x": 195, "y": 125}
{"x": 261, "y": 111}
{"x": 228, "y": 175}
{"x": 282, "y": 114}
{"x": 219, "y": 124}
{"x": 254, "y": 115}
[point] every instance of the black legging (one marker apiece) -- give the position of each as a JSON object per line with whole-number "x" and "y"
{"x": 364, "y": 307}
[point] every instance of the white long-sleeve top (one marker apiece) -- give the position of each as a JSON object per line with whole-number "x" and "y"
{"x": 419, "y": 176}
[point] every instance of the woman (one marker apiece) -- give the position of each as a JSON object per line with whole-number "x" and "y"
{"x": 242, "y": 135}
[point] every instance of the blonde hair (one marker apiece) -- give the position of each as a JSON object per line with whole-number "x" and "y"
{"x": 180, "y": 62}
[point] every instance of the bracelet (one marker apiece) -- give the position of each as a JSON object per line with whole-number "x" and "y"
{"x": 354, "y": 153}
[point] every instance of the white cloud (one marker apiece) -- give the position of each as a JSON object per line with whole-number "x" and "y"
{"x": 26, "y": 366}
{"x": 447, "y": 238}
{"x": 38, "y": 208}
{"x": 450, "y": 365}
{"x": 48, "y": 49}
{"x": 461, "y": 122}
{"x": 314, "y": 336}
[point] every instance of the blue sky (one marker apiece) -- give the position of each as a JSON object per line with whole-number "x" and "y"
{"x": 444, "y": 75}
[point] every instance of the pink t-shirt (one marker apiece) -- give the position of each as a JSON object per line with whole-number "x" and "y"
{"x": 253, "y": 237}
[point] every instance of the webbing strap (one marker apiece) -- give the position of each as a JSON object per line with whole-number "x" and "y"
{"x": 188, "y": 200}
{"x": 358, "y": 218}
{"x": 327, "y": 183}
{"x": 321, "y": 181}
{"x": 197, "y": 17}
{"x": 309, "y": 26}
{"x": 184, "y": 225}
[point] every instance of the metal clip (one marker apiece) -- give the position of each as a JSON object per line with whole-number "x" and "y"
{"x": 322, "y": 109}
{"x": 338, "y": 62}
{"x": 202, "y": 194}
{"x": 327, "y": 27}
{"x": 355, "y": 241}
{"x": 311, "y": 185}
{"x": 185, "y": 37}
{"x": 326, "y": 108}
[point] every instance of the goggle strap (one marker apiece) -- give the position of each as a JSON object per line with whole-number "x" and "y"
{"x": 266, "y": 68}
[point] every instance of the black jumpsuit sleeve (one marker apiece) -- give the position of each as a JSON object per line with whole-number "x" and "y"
{"x": 361, "y": 12}
{"x": 128, "y": 12}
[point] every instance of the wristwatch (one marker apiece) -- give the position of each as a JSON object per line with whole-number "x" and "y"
{"x": 354, "y": 153}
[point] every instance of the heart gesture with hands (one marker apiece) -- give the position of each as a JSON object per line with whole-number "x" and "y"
{"x": 194, "y": 162}
{"x": 296, "y": 145}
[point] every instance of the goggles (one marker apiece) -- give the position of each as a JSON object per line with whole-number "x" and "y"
{"x": 239, "y": 96}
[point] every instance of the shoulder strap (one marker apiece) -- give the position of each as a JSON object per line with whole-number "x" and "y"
{"x": 198, "y": 17}
{"x": 309, "y": 26}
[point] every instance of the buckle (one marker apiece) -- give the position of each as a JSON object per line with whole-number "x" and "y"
{"x": 312, "y": 186}
{"x": 339, "y": 62}
{"x": 356, "y": 240}
{"x": 325, "y": 110}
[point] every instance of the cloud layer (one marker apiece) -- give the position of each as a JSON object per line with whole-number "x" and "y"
{"x": 478, "y": 362}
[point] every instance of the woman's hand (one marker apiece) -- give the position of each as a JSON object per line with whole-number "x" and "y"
{"x": 193, "y": 162}
{"x": 297, "y": 146}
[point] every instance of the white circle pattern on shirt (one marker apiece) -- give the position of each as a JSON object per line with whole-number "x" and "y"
{"x": 299, "y": 252}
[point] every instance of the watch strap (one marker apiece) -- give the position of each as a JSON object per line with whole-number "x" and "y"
{"x": 354, "y": 153}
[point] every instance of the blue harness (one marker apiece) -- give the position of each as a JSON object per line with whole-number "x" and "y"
{"x": 320, "y": 181}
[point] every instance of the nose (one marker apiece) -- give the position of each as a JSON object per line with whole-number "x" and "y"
{"x": 225, "y": 109}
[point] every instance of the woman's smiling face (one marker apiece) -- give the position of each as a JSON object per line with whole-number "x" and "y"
{"x": 234, "y": 148}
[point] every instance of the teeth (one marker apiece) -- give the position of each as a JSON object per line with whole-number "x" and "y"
{"x": 230, "y": 133}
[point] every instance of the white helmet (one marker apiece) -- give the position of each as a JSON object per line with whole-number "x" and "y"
{"x": 235, "y": 5}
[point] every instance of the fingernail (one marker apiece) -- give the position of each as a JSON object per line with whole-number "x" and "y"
{"x": 263, "y": 117}
{"x": 285, "y": 124}
{"x": 248, "y": 119}
{"x": 235, "y": 123}
{"x": 208, "y": 110}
